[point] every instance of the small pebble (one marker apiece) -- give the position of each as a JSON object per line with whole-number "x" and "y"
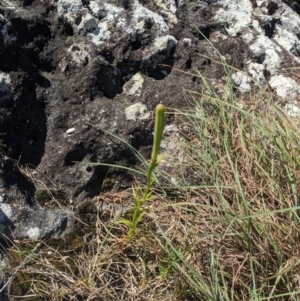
{"x": 70, "y": 131}
{"x": 187, "y": 41}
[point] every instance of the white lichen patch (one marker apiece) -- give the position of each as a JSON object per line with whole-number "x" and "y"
{"x": 242, "y": 81}
{"x": 169, "y": 8}
{"x": 267, "y": 51}
{"x": 134, "y": 85}
{"x": 95, "y": 24}
{"x": 143, "y": 14}
{"x": 79, "y": 55}
{"x": 257, "y": 26}
{"x": 242, "y": 19}
{"x": 261, "y": 44}
{"x": 7, "y": 37}
{"x": 260, "y": 2}
{"x": 137, "y": 111}
{"x": 108, "y": 13}
{"x": 248, "y": 36}
{"x": 289, "y": 18}
{"x": 33, "y": 233}
{"x": 292, "y": 110}
{"x": 5, "y": 212}
{"x": 5, "y": 86}
{"x": 257, "y": 72}
{"x": 98, "y": 31}
{"x": 165, "y": 43}
{"x": 105, "y": 11}
{"x": 272, "y": 61}
{"x": 161, "y": 45}
{"x": 288, "y": 40}
{"x": 285, "y": 87}
{"x": 102, "y": 21}
{"x": 4, "y": 79}
{"x": 237, "y": 14}
{"x": 68, "y": 8}
{"x": 89, "y": 24}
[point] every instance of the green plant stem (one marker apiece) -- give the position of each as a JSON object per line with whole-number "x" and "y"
{"x": 139, "y": 197}
{"x": 158, "y": 132}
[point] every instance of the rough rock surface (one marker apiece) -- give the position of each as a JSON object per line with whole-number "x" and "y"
{"x": 73, "y": 70}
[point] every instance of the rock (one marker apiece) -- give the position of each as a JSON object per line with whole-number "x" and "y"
{"x": 70, "y": 131}
{"x": 288, "y": 40}
{"x": 134, "y": 85}
{"x": 237, "y": 14}
{"x": 40, "y": 224}
{"x": 68, "y": 9}
{"x": 285, "y": 87}
{"x": 242, "y": 81}
{"x": 143, "y": 18}
{"x": 5, "y": 88}
{"x": 7, "y": 36}
{"x": 32, "y": 224}
{"x": 187, "y": 41}
{"x": 98, "y": 32}
{"x": 76, "y": 74}
{"x": 137, "y": 111}
{"x": 269, "y": 28}
{"x": 293, "y": 110}
{"x": 257, "y": 72}
{"x": 267, "y": 53}
{"x": 6, "y": 214}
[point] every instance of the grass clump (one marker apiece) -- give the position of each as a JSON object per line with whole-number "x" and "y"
{"x": 247, "y": 196}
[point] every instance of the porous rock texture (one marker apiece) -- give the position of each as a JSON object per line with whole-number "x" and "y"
{"x": 73, "y": 70}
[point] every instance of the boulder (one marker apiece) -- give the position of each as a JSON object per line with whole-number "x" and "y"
{"x": 74, "y": 75}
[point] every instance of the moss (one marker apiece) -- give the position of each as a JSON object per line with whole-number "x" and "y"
{"x": 76, "y": 242}
{"x": 48, "y": 198}
{"x": 26, "y": 280}
{"x": 20, "y": 285}
{"x": 68, "y": 243}
{"x": 107, "y": 184}
{"x": 88, "y": 215}
{"x": 22, "y": 281}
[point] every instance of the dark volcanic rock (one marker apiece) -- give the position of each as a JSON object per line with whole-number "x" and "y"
{"x": 71, "y": 71}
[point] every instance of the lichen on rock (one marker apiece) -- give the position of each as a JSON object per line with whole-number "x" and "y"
{"x": 5, "y": 87}
{"x": 7, "y": 35}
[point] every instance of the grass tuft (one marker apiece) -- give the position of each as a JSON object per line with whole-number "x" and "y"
{"x": 248, "y": 156}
